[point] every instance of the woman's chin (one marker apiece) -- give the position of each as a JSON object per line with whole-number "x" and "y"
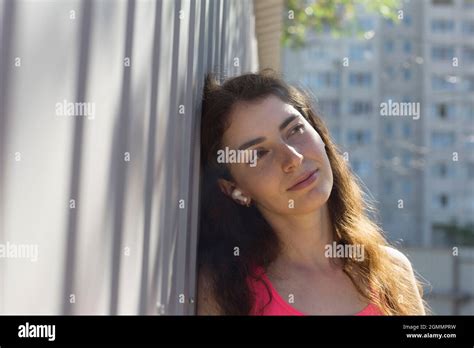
{"x": 310, "y": 202}
{"x": 313, "y": 200}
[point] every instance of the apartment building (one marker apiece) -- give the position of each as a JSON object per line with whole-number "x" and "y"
{"x": 417, "y": 167}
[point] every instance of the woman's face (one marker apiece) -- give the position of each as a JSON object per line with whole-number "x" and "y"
{"x": 288, "y": 149}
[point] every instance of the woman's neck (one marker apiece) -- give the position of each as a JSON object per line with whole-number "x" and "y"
{"x": 303, "y": 238}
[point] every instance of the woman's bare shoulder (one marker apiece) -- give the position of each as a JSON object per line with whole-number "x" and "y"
{"x": 401, "y": 260}
{"x": 398, "y": 257}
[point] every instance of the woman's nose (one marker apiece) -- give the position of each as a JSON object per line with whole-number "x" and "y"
{"x": 291, "y": 158}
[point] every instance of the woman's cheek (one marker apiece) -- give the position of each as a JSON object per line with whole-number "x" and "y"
{"x": 262, "y": 179}
{"x": 314, "y": 138}
{"x": 267, "y": 192}
{"x": 263, "y": 167}
{"x": 315, "y": 146}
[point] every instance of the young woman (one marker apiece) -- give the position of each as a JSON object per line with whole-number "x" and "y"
{"x": 270, "y": 228}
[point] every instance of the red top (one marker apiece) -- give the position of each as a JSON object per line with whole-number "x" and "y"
{"x": 278, "y": 306}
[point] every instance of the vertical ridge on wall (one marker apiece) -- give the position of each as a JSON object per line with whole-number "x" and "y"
{"x": 6, "y": 38}
{"x": 186, "y": 181}
{"x": 76, "y": 159}
{"x": 150, "y": 165}
{"x": 121, "y": 167}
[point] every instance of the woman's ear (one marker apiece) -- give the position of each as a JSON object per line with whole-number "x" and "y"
{"x": 230, "y": 190}
{"x": 226, "y": 186}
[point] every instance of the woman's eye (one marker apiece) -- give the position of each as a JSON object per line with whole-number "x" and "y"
{"x": 261, "y": 153}
{"x": 258, "y": 154}
{"x": 298, "y": 129}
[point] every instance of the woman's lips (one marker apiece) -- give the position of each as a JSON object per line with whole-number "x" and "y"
{"x": 308, "y": 180}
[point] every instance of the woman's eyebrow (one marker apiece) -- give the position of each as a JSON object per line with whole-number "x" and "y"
{"x": 252, "y": 142}
{"x": 287, "y": 121}
{"x": 258, "y": 140}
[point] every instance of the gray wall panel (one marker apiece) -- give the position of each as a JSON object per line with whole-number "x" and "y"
{"x": 125, "y": 246}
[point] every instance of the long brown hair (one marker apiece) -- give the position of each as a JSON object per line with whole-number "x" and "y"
{"x": 226, "y": 225}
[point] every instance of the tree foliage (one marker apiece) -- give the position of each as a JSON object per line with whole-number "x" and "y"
{"x": 456, "y": 233}
{"x": 337, "y": 16}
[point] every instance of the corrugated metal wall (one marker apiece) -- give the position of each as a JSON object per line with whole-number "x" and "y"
{"x": 108, "y": 198}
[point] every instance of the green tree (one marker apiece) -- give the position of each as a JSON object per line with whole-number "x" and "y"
{"x": 339, "y": 16}
{"x": 455, "y": 233}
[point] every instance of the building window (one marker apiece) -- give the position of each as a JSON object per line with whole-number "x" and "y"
{"x": 407, "y": 187}
{"x": 468, "y": 112}
{"x": 366, "y": 24}
{"x": 468, "y": 83}
{"x": 441, "y": 201}
{"x": 442, "y": 53}
{"x": 470, "y": 170}
{"x": 469, "y": 141}
{"x": 359, "y": 137}
{"x": 440, "y": 139}
{"x": 360, "y": 107}
{"x": 389, "y": 46}
{"x": 361, "y": 167}
{"x": 388, "y": 155}
{"x": 388, "y": 186}
{"x": 327, "y": 79}
{"x": 442, "y": 26}
{"x": 407, "y": 46}
{"x": 316, "y": 53}
{"x": 406, "y": 74}
{"x": 336, "y": 134}
{"x": 406, "y": 130}
{"x": 360, "y": 79}
{"x": 468, "y": 27}
{"x": 468, "y": 54}
{"x": 444, "y": 111}
{"x": 388, "y": 130}
{"x": 406, "y": 159}
{"x": 390, "y": 72}
{"x": 389, "y": 23}
{"x": 443, "y": 83}
{"x": 407, "y": 20}
{"x": 442, "y": 170}
{"x": 330, "y": 107}
{"x": 306, "y": 81}
{"x": 358, "y": 52}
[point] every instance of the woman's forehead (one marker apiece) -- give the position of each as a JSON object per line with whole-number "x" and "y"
{"x": 256, "y": 118}
{"x": 267, "y": 111}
